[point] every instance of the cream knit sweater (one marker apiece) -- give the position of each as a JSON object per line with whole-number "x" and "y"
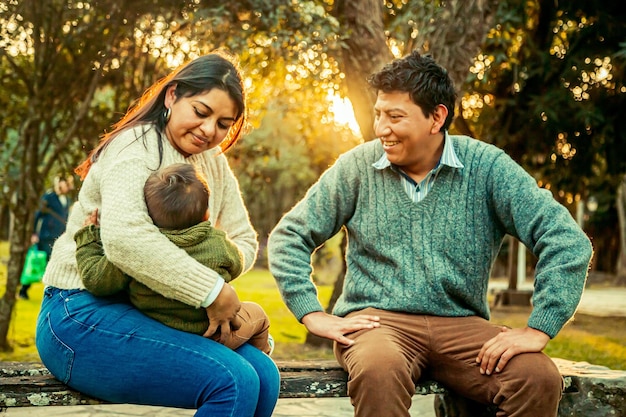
{"x": 115, "y": 185}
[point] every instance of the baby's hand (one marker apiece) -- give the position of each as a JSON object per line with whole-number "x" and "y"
{"x": 92, "y": 218}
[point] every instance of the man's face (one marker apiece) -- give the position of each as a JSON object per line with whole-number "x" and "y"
{"x": 408, "y": 136}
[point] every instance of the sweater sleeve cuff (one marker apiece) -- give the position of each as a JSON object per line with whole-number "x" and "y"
{"x": 219, "y": 284}
{"x": 301, "y": 305}
{"x": 87, "y": 235}
{"x": 550, "y": 324}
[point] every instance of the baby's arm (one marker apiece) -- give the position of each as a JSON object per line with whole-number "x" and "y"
{"x": 231, "y": 265}
{"x": 99, "y": 276}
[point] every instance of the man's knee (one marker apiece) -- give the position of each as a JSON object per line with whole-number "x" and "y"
{"x": 534, "y": 388}
{"x": 539, "y": 374}
{"x": 379, "y": 370}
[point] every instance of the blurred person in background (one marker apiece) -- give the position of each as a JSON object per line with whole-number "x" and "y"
{"x": 50, "y": 219}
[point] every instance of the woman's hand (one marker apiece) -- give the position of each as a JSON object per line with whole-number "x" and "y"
{"x": 222, "y": 314}
{"x": 335, "y": 328}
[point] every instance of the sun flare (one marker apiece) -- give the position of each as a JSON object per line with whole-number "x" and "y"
{"x": 343, "y": 112}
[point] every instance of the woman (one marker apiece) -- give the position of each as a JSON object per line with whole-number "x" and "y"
{"x": 103, "y": 346}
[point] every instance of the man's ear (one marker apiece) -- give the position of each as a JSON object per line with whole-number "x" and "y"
{"x": 439, "y": 118}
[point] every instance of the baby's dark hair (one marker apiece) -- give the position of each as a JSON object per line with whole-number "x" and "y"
{"x": 177, "y": 197}
{"x": 427, "y": 83}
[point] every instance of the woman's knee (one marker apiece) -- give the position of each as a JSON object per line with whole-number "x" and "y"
{"x": 236, "y": 384}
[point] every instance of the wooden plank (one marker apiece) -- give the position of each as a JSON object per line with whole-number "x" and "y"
{"x": 39, "y": 390}
{"x": 30, "y": 384}
{"x": 586, "y": 385}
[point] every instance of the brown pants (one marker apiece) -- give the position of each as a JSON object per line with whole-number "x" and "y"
{"x": 254, "y": 328}
{"x": 384, "y": 364}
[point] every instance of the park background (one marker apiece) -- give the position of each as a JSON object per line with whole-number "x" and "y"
{"x": 543, "y": 80}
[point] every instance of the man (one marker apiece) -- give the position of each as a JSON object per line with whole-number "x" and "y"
{"x": 426, "y": 213}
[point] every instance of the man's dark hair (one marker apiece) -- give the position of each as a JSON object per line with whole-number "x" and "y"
{"x": 177, "y": 197}
{"x": 427, "y": 83}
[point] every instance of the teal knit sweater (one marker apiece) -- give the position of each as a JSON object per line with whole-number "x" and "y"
{"x": 433, "y": 257}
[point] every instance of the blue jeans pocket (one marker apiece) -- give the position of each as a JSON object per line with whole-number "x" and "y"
{"x": 56, "y": 355}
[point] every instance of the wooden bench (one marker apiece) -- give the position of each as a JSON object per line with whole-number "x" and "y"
{"x": 589, "y": 390}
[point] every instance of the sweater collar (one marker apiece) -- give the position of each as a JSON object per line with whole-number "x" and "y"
{"x": 448, "y": 156}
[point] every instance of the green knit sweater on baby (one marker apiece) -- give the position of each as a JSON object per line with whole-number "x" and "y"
{"x": 203, "y": 242}
{"x": 433, "y": 257}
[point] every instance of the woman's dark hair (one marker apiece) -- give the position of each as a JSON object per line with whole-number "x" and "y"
{"x": 428, "y": 83}
{"x": 215, "y": 70}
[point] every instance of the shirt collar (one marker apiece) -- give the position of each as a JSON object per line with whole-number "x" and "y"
{"x": 448, "y": 156}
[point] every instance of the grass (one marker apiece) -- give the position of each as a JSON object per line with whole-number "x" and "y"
{"x": 597, "y": 340}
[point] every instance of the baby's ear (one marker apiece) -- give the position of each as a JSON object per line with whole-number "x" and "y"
{"x": 206, "y": 215}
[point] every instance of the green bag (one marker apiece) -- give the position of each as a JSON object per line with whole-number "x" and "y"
{"x": 34, "y": 266}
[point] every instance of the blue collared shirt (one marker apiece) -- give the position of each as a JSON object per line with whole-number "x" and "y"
{"x": 418, "y": 191}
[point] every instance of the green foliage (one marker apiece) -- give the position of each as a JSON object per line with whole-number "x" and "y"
{"x": 95, "y": 58}
{"x": 55, "y": 56}
{"x": 553, "y": 77}
{"x": 278, "y": 161}
{"x": 549, "y": 88}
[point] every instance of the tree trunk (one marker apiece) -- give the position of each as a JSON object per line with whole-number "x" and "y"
{"x": 26, "y": 189}
{"x": 19, "y": 235}
{"x": 366, "y": 52}
{"x": 458, "y": 31}
{"x": 621, "y": 215}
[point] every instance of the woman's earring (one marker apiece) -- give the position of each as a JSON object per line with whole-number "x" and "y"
{"x": 167, "y": 114}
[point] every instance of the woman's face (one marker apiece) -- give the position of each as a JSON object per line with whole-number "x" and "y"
{"x": 199, "y": 122}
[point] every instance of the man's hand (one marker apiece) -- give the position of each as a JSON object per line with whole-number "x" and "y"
{"x": 335, "y": 328}
{"x": 498, "y": 351}
{"x": 222, "y": 313}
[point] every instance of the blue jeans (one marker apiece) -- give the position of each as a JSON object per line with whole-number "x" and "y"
{"x": 106, "y": 348}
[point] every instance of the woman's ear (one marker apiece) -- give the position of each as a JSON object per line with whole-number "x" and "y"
{"x": 170, "y": 96}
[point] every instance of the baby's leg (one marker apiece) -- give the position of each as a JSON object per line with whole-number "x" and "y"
{"x": 254, "y": 328}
